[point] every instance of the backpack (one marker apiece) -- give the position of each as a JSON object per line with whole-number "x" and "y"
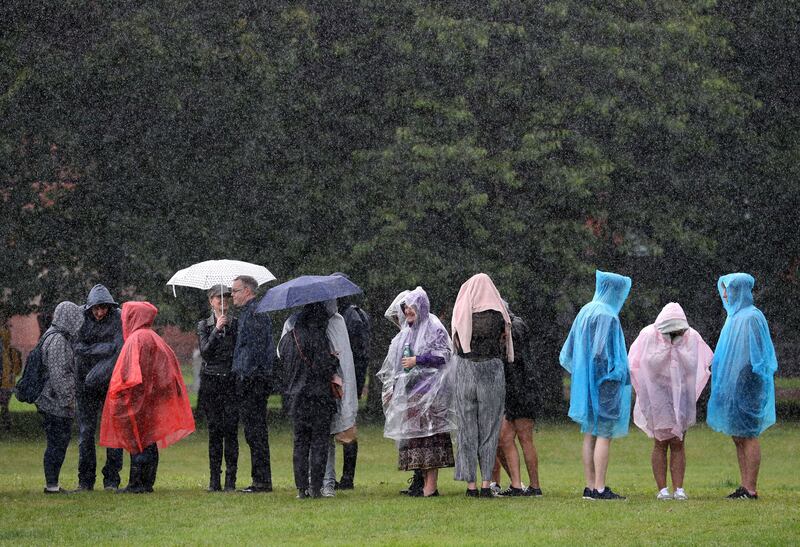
{"x": 35, "y": 374}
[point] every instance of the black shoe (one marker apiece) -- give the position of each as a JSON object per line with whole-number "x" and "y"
{"x": 607, "y": 494}
{"x": 344, "y": 484}
{"x": 588, "y": 493}
{"x": 214, "y": 484}
{"x": 487, "y": 493}
{"x": 111, "y": 488}
{"x": 314, "y": 493}
{"x": 59, "y": 491}
{"x": 511, "y": 492}
{"x": 741, "y": 493}
{"x": 531, "y": 491}
{"x": 82, "y": 488}
{"x": 302, "y": 493}
{"x": 472, "y": 493}
{"x": 132, "y": 490}
{"x": 257, "y": 489}
{"x": 230, "y": 481}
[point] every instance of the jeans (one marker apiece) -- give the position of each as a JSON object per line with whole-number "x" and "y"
{"x": 253, "y": 393}
{"x": 57, "y": 431}
{"x": 218, "y": 401}
{"x": 89, "y": 408}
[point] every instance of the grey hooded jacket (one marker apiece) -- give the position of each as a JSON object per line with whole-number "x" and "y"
{"x": 58, "y": 394}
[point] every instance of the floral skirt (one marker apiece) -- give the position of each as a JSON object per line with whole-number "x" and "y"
{"x": 426, "y": 453}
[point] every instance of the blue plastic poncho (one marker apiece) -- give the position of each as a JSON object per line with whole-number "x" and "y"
{"x": 596, "y": 357}
{"x": 742, "y": 402}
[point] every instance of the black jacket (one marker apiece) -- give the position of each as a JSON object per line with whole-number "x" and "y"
{"x": 255, "y": 350}
{"x": 359, "y": 331}
{"x": 97, "y": 340}
{"x": 306, "y": 354}
{"x": 216, "y": 347}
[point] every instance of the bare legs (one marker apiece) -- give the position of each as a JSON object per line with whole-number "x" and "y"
{"x": 595, "y": 461}
{"x": 748, "y": 452}
{"x": 508, "y": 457}
{"x": 431, "y": 479}
{"x": 677, "y": 462}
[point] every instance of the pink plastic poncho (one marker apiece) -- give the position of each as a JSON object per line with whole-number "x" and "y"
{"x": 668, "y": 375}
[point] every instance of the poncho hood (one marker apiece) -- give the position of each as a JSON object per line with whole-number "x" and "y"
{"x": 611, "y": 289}
{"x": 671, "y": 319}
{"x": 739, "y": 287}
{"x": 394, "y": 312}
{"x": 137, "y": 315}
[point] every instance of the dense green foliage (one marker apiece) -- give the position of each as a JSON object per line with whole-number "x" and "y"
{"x": 181, "y": 512}
{"x": 404, "y": 143}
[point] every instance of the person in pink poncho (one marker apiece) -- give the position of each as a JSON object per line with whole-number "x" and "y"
{"x": 669, "y": 364}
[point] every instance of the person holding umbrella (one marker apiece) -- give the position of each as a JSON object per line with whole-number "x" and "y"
{"x": 312, "y": 367}
{"x": 253, "y": 355}
{"x": 217, "y": 396}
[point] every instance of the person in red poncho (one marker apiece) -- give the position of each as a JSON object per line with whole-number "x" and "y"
{"x": 147, "y": 406}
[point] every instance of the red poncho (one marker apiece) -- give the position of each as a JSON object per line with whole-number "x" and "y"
{"x": 147, "y": 401}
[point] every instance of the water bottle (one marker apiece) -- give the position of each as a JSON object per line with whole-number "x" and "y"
{"x": 407, "y": 351}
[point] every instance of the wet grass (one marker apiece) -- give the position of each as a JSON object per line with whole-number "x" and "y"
{"x": 181, "y": 512}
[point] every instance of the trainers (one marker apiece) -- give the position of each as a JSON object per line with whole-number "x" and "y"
{"x": 511, "y": 492}
{"x": 473, "y": 493}
{"x": 680, "y": 495}
{"x": 741, "y": 493}
{"x": 531, "y": 491}
{"x": 82, "y": 488}
{"x": 663, "y": 494}
{"x": 59, "y": 490}
{"x": 588, "y": 493}
{"x": 302, "y": 493}
{"x": 607, "y": 494}
{"x": 328, "y": 492}
{"x": 494, "y": 487}
{"x": 488, "y": 493}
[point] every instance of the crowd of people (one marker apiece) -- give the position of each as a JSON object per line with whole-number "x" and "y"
{"x": 475, "y": 382}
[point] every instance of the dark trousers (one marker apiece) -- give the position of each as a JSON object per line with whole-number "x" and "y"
{"x": 89, "y": 409}
{"x": 57, "y": 431}
{"x": 312, "y": 437}
{"x": 144, "y": 466}
{"x": 253, "y": 413}
{"x": 350, "y": 456}
{"x": 219, "y": 402}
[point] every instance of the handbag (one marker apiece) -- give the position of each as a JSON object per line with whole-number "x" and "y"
{"x": 99, "y": 376}
{"x": 337, "y": 386}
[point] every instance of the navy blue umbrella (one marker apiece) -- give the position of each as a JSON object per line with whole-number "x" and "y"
{"x": 305, "y": 290}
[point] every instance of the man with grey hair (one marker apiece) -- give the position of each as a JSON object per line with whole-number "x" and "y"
{"x": 252, "y": 367}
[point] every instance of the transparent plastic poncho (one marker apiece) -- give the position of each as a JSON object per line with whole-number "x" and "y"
{"x": 742, "y": 402}
{"x": 417, "y": 403}
{"x": 596, "y": 357}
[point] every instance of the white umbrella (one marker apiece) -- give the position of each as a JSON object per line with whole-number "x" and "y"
{"x": 208, "y": 274}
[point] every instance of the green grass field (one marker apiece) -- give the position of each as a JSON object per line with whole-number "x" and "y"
{"x": 181, "y": 512}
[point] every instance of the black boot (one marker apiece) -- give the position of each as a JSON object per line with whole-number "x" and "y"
{"x": 134, "y": 481}
{"x": 417, "y": 482}
{"x": 230, "y": 480}
{"x": 350, "y": 452}
{"x": 214, "y": 484}
{"x": 149, "y": 475}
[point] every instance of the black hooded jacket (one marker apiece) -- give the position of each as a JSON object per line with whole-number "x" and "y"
{"x": 97, "y": 340}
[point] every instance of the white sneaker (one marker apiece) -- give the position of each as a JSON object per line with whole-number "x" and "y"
{"x": 664, "y": 494}
{"x": 328, "y": 492}
{"x": 680, "y": 495}
{"x": 494, "y": 487}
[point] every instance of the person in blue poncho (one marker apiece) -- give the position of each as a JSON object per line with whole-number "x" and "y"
{"x": 742, "y": 402}
{"x": 600, "y": 393}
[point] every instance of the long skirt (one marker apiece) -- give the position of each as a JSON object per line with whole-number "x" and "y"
{"x": 426, "y": 453}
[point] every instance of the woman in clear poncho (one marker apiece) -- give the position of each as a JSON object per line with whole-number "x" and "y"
{"x": 600, "y": 392}
{"x": 416, "y": 399}
{"x": 669, "y": 368}
{"x": 742, "y": 402}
